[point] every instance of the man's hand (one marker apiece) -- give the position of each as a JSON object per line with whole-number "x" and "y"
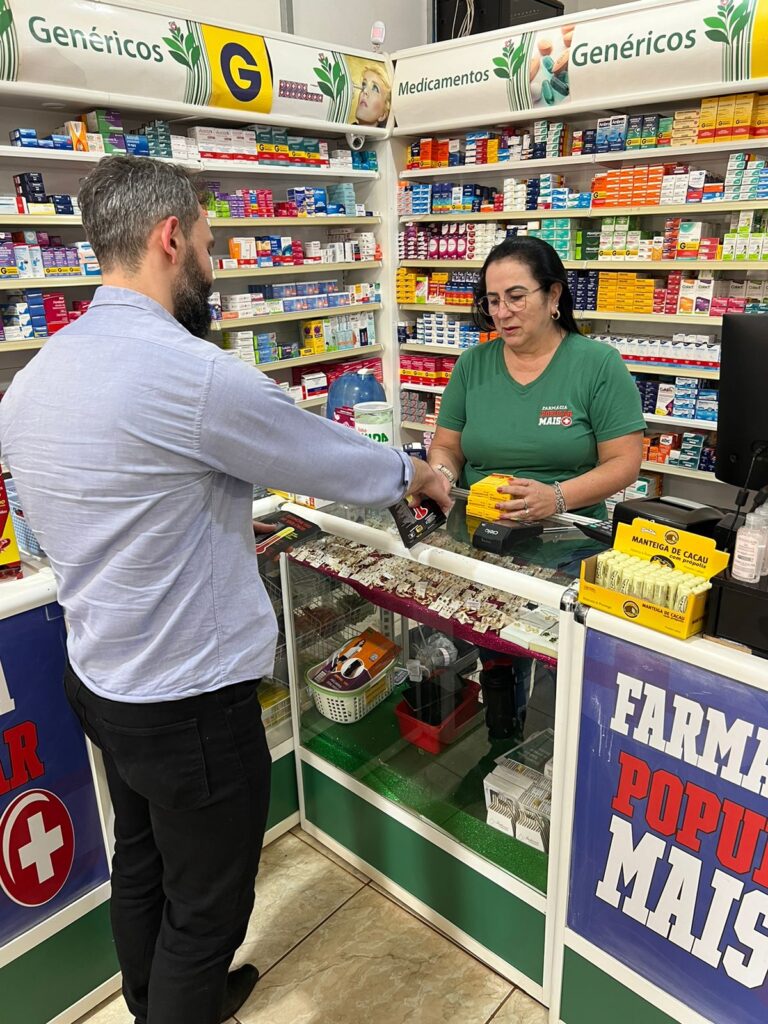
{"x": 428, "y": 483}
{"x": 262, "y": 528}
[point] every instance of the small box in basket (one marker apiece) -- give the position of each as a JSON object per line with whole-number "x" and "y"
{"x": 356, "y": 664}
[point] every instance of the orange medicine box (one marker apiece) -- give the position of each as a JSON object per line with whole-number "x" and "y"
{"x": 655, "y": 542}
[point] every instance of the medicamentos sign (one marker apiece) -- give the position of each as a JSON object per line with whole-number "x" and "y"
{"x": 126, "y": 52}
{"x": 669, "y": 863}
{"x": 652, "y": 47}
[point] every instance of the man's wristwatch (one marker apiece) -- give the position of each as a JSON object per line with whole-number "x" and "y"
{"x": 447, "y": 473}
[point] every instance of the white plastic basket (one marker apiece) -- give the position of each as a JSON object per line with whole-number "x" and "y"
{"x": 346, "y": 708}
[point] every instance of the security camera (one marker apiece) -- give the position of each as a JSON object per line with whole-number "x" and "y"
{"x": 378, "y": 31}
{"x": 355, "y": 141}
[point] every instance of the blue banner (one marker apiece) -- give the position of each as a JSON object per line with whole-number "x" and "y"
{"x": 51, "y": 845}
{"x": 669, "y": 864}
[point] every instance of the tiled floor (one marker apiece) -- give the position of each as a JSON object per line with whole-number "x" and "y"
{"x": 331, "y": 946}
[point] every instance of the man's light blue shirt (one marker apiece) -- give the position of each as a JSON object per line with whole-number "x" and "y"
{"x": 134, "y": 447}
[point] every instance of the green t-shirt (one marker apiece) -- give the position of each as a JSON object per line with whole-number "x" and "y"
{"x": 549, "y": 429}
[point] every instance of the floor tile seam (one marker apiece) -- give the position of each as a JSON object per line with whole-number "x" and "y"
{"x": 501, "y": 1005}
{"x": 438, "y": 931}
{"x": 320, "y": 924}
{"x": 350, "y": 869}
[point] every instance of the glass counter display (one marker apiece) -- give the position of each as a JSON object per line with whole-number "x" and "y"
{"x": 425, "y": 685}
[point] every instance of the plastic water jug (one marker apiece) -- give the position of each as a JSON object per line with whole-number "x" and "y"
{"x": 349, "y": 390}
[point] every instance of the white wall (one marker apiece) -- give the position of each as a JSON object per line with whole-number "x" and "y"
{"x": 264, "y": 14}
{"x": 578, "y": 6}
{"x": 348, "y": 22}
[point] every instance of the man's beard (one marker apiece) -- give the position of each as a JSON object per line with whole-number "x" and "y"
{"x": 190, "y": 298}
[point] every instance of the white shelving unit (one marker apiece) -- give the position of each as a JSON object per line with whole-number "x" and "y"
{"x": 673, "y": 421}
{"x": 284, "y": 318}
{"x": 589, "y": 213}
{"x": 565, "y": 163}
{"x": 578, "y": 171}
{"x": 688, "y": 474}
{"x": 62, "y": 171}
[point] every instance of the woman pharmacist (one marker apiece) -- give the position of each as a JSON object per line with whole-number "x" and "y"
{"x": 556, "y": 410}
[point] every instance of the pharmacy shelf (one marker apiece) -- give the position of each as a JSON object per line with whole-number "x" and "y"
{"x": 740, "y": 266}
{"x": 691, "y": 474}
{"x": 649, "y": 318}
{"x": 499, "y": 216}
{"x": 422, "y": 387}
{"x": 680, "y": 370}
{"x": 72, "y": 281}
{"x": 629, "y": 266}
{"x": 302, "y": 268}
{"x": 55, "y": 157}
{"x": 502, "y": 167}
{"x": 283, "y": 318}
{"x": 662, "y": 153}
{"x": 673, "y": 421}
{"x": 441, "y": 350}
{"x": 294, "y": 171}
{"x": 442, "y": 264}
{"x": 669, "y": 210}
{"x": 323, "y": 357}
{"x": 289, "y": 222}
{"x": 22, "y": 346}
{"x": 313, "y": 403}
{"x": 435, "y": 307}
{"x": 413, "y": 425}
{"x": 29, "y": 220}
{"x": 665, "y": 152}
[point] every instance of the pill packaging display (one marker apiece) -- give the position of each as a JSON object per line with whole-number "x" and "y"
{"x": 483, "y": 609}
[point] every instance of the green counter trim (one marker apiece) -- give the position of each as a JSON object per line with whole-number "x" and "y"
{"x": 284, "y": 798}
{"x": 40, "y": 984}
{"x": 590, "y": 996}
{"x": 495, "y": 918}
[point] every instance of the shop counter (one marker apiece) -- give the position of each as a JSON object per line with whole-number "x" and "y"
{"x": 662, "y": 908}
{"x": 647, "y": 900}
{"x": 57, "y": 957}
{"x": 403, "y": 799}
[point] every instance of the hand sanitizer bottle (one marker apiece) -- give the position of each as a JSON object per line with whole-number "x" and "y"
{"x": 749, "y": 554}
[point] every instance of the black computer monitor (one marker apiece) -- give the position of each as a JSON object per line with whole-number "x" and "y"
{"x": 742, "y": 417}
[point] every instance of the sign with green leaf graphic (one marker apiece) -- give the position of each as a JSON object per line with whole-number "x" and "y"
{"x": 628, "y": 56}
{"x": 128, "y": 52}
{"x": 9, "y": 50}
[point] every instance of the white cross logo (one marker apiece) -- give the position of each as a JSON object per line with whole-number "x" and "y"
{"x": 40, "y": 848}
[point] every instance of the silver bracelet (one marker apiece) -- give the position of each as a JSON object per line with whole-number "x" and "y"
{"x": 560, "y": 502}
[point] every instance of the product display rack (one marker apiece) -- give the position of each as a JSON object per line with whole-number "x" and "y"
{"x": 579, "y": 169}
{"x": 564, "y": 163}
{"x": 282, "y": 318}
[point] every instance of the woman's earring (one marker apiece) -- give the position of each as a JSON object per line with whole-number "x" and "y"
{"x": 556, "y": 314}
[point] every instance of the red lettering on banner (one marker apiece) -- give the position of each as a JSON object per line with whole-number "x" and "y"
{"x": 21, "y": 741}
{"x": 664, "y": 802}
{"x": 702, "y": 814}
{"x": 633, "y": 783}
{"x": 760, "y": 876}
{"x": 737, "y": 842}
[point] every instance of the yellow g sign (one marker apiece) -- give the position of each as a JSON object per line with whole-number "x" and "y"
{"x": 241, "y": 76}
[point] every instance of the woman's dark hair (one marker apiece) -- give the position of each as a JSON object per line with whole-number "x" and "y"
{"x": 545, "y": 266}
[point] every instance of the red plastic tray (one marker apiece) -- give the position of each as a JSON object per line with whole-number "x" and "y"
{"x": 435, "y": 738}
